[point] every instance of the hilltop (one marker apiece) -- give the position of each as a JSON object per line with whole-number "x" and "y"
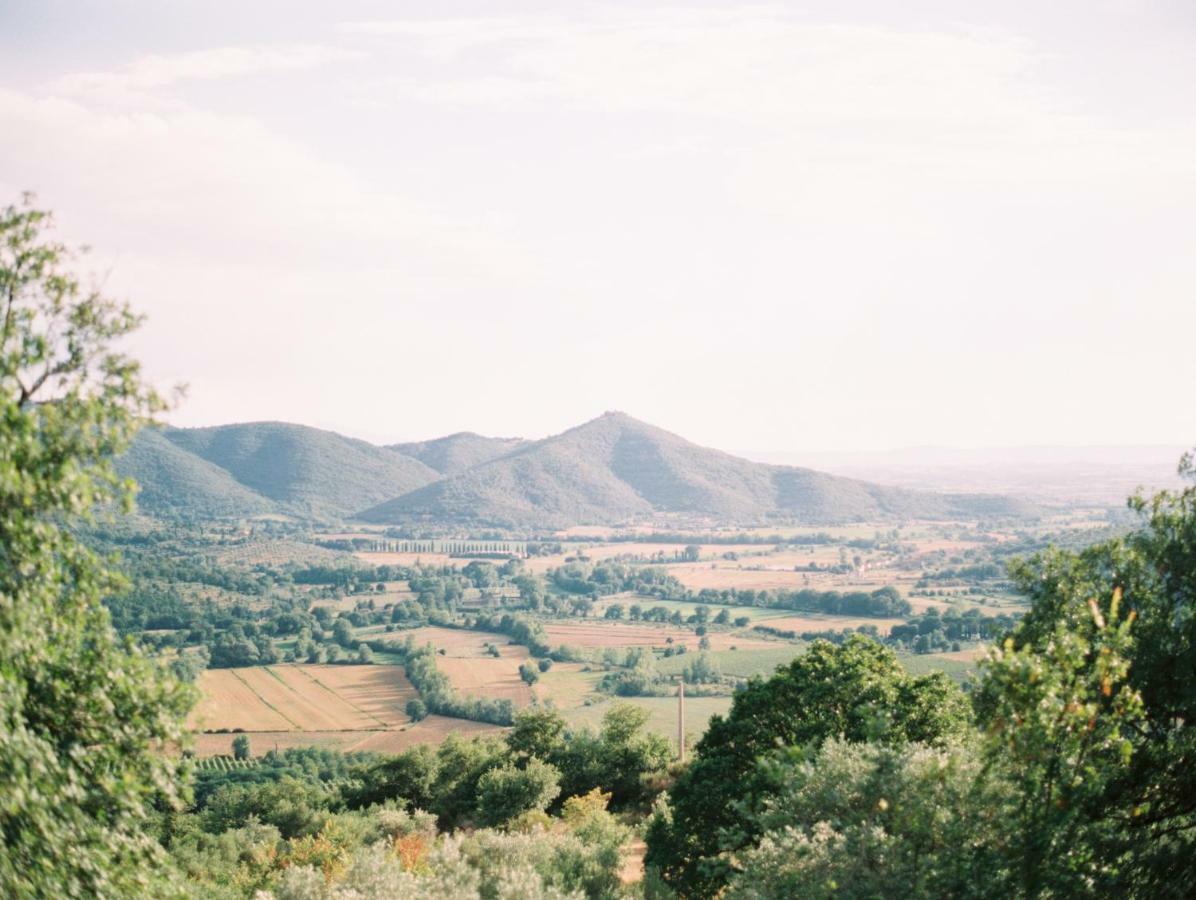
{"x": 270, "y": 466}
{"x": 615, "y": 468}
{"x": 458, "y": 452}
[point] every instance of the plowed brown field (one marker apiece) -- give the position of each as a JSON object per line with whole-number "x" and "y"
{"x": 303, "y": 698}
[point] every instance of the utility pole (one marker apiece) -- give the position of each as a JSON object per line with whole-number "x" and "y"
{"x": 681, "y": 719}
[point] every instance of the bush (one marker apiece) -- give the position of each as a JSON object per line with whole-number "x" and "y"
{"x": 416, "y": 709}
{"x": 507, "y": 792}
{"x": 241, "y": 747}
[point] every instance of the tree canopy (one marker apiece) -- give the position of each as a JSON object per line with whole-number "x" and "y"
{"x": 83, "y": 716}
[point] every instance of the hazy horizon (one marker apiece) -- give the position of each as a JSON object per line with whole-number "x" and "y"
{"x": 825, "y": 228}
{"x": 896, "y": 455}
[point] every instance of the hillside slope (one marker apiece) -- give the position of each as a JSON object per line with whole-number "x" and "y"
{"x": 616, "y": 468}
{"x": 306, "y": 471}
{"x": 174, "y": 482}
{"x": 454, "y": 453}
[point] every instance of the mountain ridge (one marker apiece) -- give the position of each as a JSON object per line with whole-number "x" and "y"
{"x": 613, "y": 469}
{"x": 308, "y": 471}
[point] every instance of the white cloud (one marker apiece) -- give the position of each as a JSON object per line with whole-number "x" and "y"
{"x": 183, "y": 181}
{"x": 670, "y": 211}
{"x": 855, "y": 88}
{"x": 140, "y": 79}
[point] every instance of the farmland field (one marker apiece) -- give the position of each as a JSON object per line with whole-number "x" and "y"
{"x": 613, "y": 634}
{"x": 459, "y": 642}
{"x": 821, "y": 622}
{"x": 308, "y": 698}
{"x": 741, "y": 663}
{"x": 662, "y": 713}
{"x": 363, "y": 707}
{"x": 486, "y": 676}
{"x": 957, "y": 669}
{"x": 566, "y": 685}
{"x": 431, "y": 730}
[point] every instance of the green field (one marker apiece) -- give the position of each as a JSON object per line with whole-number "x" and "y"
{"x": 662, "y": 713}
{"x": 741, "y": 663}
{"x": 919, "y": 664}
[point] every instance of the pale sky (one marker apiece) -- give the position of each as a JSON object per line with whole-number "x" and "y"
{"x": 790, "y": 227}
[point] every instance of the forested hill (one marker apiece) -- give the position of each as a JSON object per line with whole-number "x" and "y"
{"x": 612, "y": 469}
{"x": 278, "y": 467}
{"x": 458, "y": 452}
{"x": 616, "y": 468}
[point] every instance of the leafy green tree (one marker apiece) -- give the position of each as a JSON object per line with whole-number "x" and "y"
{"x": 342, "y": 633}
{"x": 538, "y": 731}
{"x": 461, "y": 763}
{"x": 416, "y": 709}
{"x": 241, "y": 747}
{"x": 507, "y": 791}
{"x": 617, "y": 759}
{"x": 1111, "y": 627}
{"x": 409, "y": 778}
{"x": 857, "y": 690}
{"x": 83, "y": 716}
{"x": 1060, "y": 723}
{"x": 864, "y": 820}
{"x": 529, "y": 673}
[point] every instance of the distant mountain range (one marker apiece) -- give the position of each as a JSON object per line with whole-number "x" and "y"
{"x": 611, "y": 470}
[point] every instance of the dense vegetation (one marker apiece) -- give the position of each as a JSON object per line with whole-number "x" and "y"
{"x": 265, "y": 826}
{"x": 1065, "y": 778}
{"x": 83, "y": 717}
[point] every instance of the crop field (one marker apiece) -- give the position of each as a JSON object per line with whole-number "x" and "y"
{"x": 923, "y": 664}
{"x": 820, "y": 622}
{"x": 458, "y": 642}
{"x": 730, "y": 577}
{"x": 662, "y": 713}
{"x": 431, "y": 730}
{"x": 363, "y": 707}
{"x": 566, "y": 685}
{"x": 486, "y": 676}
{"x": 614, "y": 634}
{"x": 967, "y": 655}
{"x": 741, "y": 663}
{"x": 309, "y": 698}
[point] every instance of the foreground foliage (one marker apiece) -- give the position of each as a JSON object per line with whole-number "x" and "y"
{"x": 1070, "y": 777}
{"x": 83, "y": 716}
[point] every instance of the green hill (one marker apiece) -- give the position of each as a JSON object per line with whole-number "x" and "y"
{"x": 455, "y": 453}
{"x": 174, "y": 482}
{"x": 615, "y": 469}
{"x": 304, "y": 470}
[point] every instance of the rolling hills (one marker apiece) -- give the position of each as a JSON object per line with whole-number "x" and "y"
{"x": 174, "y": 482}
{"x": 616, "y": 468}
{"x": 613, "y": 469}
{"x": 266, "y": 467}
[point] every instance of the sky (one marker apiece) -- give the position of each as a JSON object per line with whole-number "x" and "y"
{"x": 835, "y": 226}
